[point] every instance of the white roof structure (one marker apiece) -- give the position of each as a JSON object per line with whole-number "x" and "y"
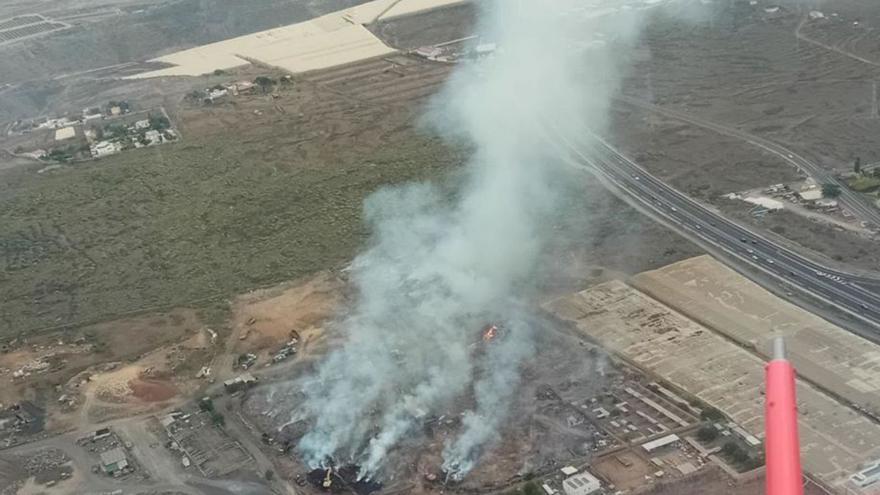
{"x": 65, "y": 133}
{"x": 769, "y": 203}
{"x": 581, "y": 484}
{"x": 114, "y": 456}
{"x": 334, "y": 39}
{"x": 811, "y": 194}
{"x": 866, "y": 477}
{"x": 569, "y": 470}
{"x": 660, "y": 442}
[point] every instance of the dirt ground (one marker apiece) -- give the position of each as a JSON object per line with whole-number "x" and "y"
{"x": 764, "y": 74}
{"x": 437, "y": 26}
{"x": 269, "y": 318}
{"x": 625, "y": 470}
{"x": 713, "y": 480}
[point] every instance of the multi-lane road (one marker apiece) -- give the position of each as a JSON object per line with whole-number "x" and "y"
{"x": 729, "y": 240}
{"x": 849, "y": 199}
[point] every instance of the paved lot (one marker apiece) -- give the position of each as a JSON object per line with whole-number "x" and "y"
{"x": 835, "y": 439}
{"x": 723, "y": 300}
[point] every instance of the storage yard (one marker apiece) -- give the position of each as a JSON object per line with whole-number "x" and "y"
{"x": 836, "y": 439}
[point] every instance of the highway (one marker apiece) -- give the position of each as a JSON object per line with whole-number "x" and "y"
{"x": 731, "y": 241}
{"x": 852, "y": 201}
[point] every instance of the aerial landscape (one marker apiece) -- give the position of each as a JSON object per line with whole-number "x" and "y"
{"x": 478, "y": 247}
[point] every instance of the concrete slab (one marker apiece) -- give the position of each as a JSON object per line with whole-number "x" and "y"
{"x": 720, "y": 298}
{"x": 836, "y": 440}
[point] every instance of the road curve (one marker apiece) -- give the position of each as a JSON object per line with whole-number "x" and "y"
{"x": 733, "y": 242}
{"x": 850, "y": 200}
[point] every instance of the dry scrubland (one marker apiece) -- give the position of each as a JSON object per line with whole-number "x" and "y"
{"x": 244, "y": 201}
{"x": 259, "y": 191}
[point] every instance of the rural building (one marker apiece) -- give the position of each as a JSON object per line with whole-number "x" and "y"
{"x": 65, "y": 133}
{"x": 114, "y": 460}
{"x": 241, "y": 382}
{"x": 104, "y": 148}
{"x": 811, "y": 194}
{"x": 661, "y": 442}
{"x": 153, "y": 137}
{"x": 867, "y": 481}
{"x": 581, "y": 484}
{"x": 569, "y": 470}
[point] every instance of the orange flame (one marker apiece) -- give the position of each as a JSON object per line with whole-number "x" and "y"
{"x": 490, "y": 333}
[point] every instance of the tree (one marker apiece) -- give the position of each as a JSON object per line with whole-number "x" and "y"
{"x": 269, "y": 475}
{"x": 531, "y": 488}
{"x": 219, "y": 72}
{"x": 712, "y": 414}
{"x": 707, "y": 433}
{"x": 159, "y": 122}
{"x": 857, "y": 166}
{"x": 830, "y": 190}
{"x": 265, "y": 83}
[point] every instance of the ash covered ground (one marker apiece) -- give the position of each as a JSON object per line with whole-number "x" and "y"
{"x": 544, "y": 428}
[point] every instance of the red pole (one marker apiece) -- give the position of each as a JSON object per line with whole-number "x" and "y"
{"x": 781, "y": 444}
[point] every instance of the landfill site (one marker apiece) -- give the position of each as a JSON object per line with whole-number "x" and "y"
{"x": 323, "y": 283}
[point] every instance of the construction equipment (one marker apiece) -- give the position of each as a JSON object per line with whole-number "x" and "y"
{"x": 328, "y": 481}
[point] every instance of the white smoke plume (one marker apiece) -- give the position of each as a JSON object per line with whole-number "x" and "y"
{"x": 442, "y": 265}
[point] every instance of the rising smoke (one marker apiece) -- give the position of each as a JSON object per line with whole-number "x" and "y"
{"x": 436, "y": 271}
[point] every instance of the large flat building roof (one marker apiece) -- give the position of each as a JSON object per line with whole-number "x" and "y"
{"x": 331, "y": 40}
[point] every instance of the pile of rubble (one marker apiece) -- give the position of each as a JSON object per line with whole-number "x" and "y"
{"x": 45, "y": 460}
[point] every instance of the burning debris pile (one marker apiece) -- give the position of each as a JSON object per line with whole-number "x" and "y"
{"x": 440, "y": 265}
{"x": 344, "y": 479}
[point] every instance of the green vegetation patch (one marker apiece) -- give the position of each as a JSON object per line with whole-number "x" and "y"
{"x": 864, "y": 183}
{"x": 186, "y": 224}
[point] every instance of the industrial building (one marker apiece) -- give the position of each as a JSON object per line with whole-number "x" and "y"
{"x": 661, "y": 442}
{"x": 867, "y": 481}
{"x": 114, "y": 460}
{"x": 581, "y": 484}
{"x": 241, "y": 382}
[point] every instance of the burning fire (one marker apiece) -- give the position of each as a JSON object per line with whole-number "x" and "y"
{"x": 490, "y": 333}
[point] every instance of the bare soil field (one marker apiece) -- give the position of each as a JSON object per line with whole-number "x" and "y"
{"x": 749, "y": 70}
{"x": 430, "y": 28}
{"x": 716, "y": 482}
{"x": 268, "y": 318}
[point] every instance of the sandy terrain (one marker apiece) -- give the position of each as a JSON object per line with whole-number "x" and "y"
{"x": 836, "y": 440}
{"x": 271, "y": 317}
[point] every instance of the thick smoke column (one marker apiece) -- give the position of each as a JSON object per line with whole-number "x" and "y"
{"x": 437, "y": 270}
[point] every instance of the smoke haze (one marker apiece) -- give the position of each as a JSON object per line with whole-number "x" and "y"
{"x": 437, "y": 271}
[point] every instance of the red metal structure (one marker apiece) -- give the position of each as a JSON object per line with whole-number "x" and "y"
{"x": 781, "y": 443}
